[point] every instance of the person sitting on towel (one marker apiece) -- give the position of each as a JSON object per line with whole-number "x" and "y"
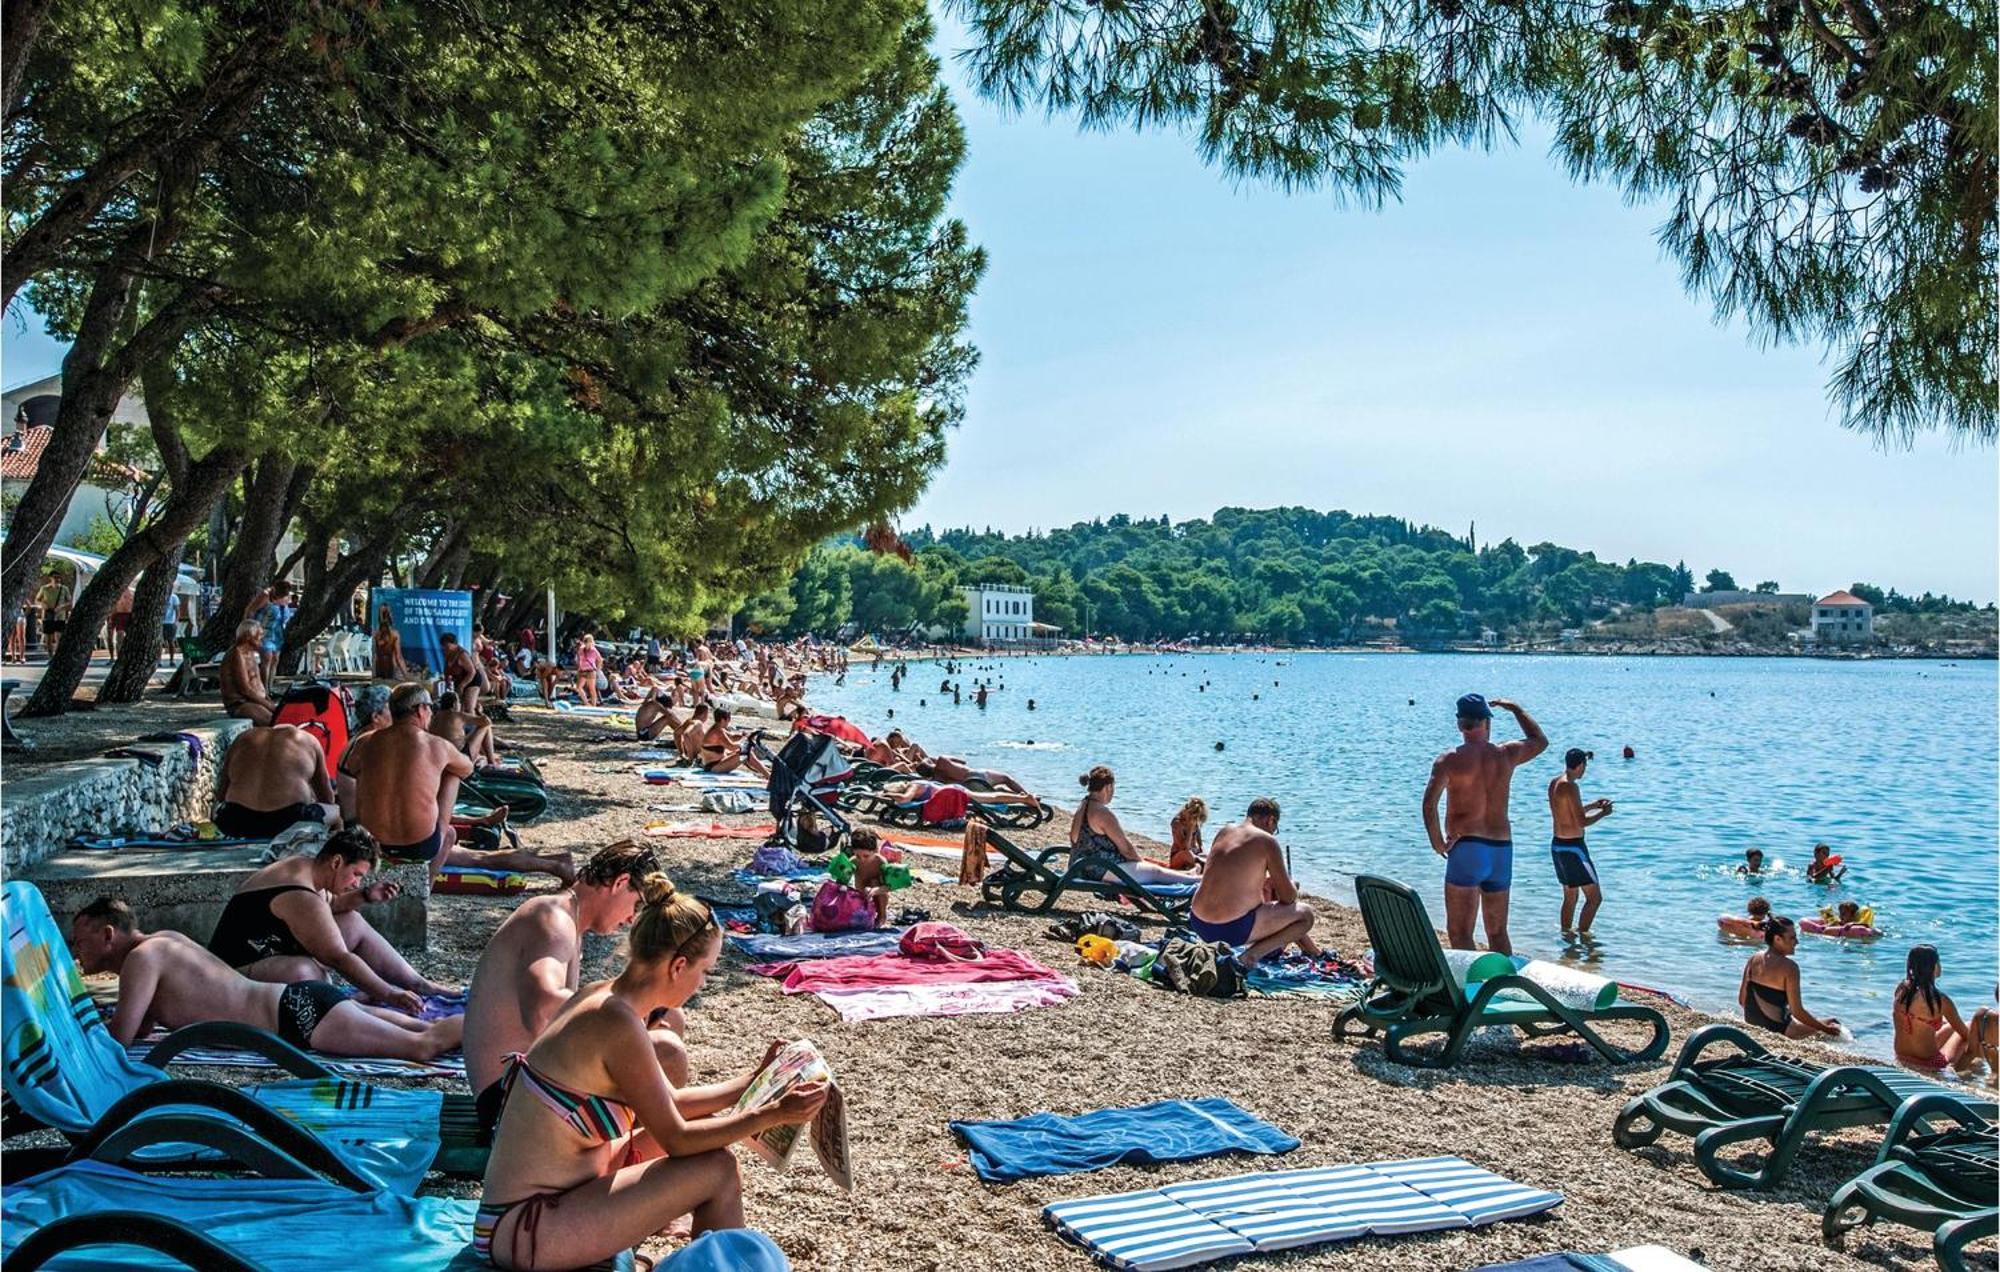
{"x": 242, "y": 678}
{"x": 688, "y": 736}
{"x": 272, "y": 779}
{"x": 166, "y": 979}
{"x": 654, "y": 716}
{"x": 723, "y": 751}
{"x": 300, "y": 917}
{"x": 1247, "y": 899}
{"x": 468, "y": 731}
{"x": 596, "y": 1149}
{"x": 1094, "y": 830}
{"x": 530, "y": 968}
{"x": 864, "y": 847}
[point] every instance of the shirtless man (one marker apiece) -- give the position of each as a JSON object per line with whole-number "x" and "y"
{"x": 688, "y": 736}
{"x": 1574, "y": 869}
{"x": 406, "y": 781}
{"x": 242, "y": 678}
{"x": 272, "y": 779}
{"x": 530, "y": 969}
{"x": 1476, "y": 840}
{"x": 654, "y": 716}
{"x": 1246, "y": 897}
{"x": 466, "y": 673}
{"x": 166, "y": 979}
{"x": 722, "y": 751}
{"x": 299, "y": 917}
{"x": 469, "y": 732}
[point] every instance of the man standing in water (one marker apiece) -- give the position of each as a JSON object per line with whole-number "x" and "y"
{"x": 1574, "y": 869}
{"x": 1476, "y": 840}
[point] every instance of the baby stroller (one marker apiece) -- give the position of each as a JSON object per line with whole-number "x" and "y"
{"x": 805, "y": 760}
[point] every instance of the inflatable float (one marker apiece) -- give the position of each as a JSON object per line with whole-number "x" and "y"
{"x": 1740, "y": 925}
{"x": 1829, "y": 924}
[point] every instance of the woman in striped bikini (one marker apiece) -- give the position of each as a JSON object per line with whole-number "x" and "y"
{"x": 595, "y": 1150}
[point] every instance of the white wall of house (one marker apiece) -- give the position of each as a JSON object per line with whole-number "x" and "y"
{"x": 1841, "y": 624}
{"x": 999, "y": 613}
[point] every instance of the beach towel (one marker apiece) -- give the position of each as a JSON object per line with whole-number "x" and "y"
{"x": 882, "y": 970}
{"x": 813, "y": 945}
{"x": 960, "y": 999}
{"x": 65, "y": 1070}
{"x": 1166, "y": 1131}
{"x": 478, "y": 881}
{"x": 1186, "y": 1224}
{"x": 708, "y": 830}
{"x": 973, "y": 865}
{"x": 1649, "y": 1258}
{"x": 947, "y": 803}
{"x": 567, "y": 707}
{"x": 450, "y": 1065}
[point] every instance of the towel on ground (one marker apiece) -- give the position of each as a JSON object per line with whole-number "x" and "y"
{"x": 1650, "y": 1258}
{"x": 876, "y": 971}
{"x": 709, "y": 830}
{"x": 1165, "y": 1131}
{"x": 817, "y": 944}
{"x": 951, "y": 999}
{"x": 1197, "y": 1222}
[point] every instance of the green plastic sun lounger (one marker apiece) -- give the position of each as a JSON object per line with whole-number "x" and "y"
{"x": 909, "y": 814}
{"x": 64, "y": 1071}
{"x": 1748, "y": 1092}
{"x": 1945, "y": 1182}
{"x": 1414, "y": 993}
{"x": 1033, "y": 882}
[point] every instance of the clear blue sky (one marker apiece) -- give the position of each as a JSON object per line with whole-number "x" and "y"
{"x": 1501, "y": 347}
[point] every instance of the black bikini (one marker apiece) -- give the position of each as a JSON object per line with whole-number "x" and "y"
{"x": 1768, "y": 1008}
{"x": 248, "y": 932}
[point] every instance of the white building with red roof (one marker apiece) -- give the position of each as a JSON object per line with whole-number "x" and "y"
{"x": 1840, "y": 618}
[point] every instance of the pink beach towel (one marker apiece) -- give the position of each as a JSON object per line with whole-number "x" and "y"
{"x": 876, "y": 971}
{"x": 947, "y": 999}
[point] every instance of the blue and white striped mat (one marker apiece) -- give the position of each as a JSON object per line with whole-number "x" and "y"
{"x": 1183, "y": 1225}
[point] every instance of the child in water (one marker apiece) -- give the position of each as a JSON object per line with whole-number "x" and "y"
{"x": 1753, "y": 863}
{"x": 1824, "y": 868}
{"x": 866, "y": 849}
{"x": 1848, "y": 913}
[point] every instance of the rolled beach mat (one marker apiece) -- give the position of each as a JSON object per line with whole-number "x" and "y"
{"x": 1469, "y": 967}
{"x": 1574, "y": 989}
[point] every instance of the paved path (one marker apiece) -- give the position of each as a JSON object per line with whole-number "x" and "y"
{"x": 1717, "y": 623}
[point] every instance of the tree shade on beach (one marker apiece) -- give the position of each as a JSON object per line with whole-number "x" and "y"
{"x": 1827, "y": 170}
{"x": 529, "y": 294}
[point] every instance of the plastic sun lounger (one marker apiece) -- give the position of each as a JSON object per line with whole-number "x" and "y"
{"x": 64, "y": 1071}
{"x": 1035, "y": 882}
{"x": 1414, "y": 992}
{"x": 1754, "y": 1093}
{"x": 1944, "y": 1182}
{"x": 910, "y": 813}
{"x": 96, "y": 1215}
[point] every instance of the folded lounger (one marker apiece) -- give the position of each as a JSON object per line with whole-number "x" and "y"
{"x": 1414, "y": 992}
{"x": 64, "y": 1071}
{"x": 1752, "y": 1093}
{"x": 1183, "y": 1225}
{"x": 1034, "y": 882}
{"x": 1945, "y": 1182}
{"x": 91, "y": 1215}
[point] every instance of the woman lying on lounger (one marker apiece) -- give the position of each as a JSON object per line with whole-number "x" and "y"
{"x": 920, "y": 792}
{"x": 596, "y": 1151}
{"x": 1094, "y": 829}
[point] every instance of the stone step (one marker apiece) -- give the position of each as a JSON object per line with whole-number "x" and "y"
{"x": 185, "y": 889}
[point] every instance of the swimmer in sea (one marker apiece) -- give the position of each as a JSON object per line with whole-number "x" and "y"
{"x": 1824, "y": 868}
{"x": 1753, "y": 862}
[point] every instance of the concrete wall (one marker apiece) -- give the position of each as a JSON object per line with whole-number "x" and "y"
{"x": 46, "y": 804}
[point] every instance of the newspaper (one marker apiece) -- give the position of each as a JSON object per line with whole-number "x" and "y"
{"x": 796, "y": 1064}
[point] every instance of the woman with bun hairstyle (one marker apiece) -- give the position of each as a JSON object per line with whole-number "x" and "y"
{"x": 1094, "y": 829}
{"x": 595, "y": 1150}
{"x": 1769, "y": 993}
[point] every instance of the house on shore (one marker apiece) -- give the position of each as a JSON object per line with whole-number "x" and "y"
{"x": 1842, "y": 618}
{"x": 27, "y": 414}
{"x": 1000, "y": 614}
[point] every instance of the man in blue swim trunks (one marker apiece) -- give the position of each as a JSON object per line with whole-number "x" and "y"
{"x": 1476, "y": 840}
{"x": 1246, "y": 898}
{"x": 1574, "y": 869}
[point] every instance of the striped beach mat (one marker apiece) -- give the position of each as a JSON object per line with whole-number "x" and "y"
{"x": 1185, "y": 1225}
{"x": 449, "y": 1065}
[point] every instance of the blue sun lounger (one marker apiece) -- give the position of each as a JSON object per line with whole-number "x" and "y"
{"x": 92, "y": 1216}
{"x": 63, "y": 1070}
{"x": 1183, "y": 1225}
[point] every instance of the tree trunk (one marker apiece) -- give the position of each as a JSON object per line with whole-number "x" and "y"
{"x": 319, "y": 610}
{"x": 22, "y": 23}
{"x": 248, "y": 565}
{"x": 139, "y": 657}
{"x": 206, "y": 482}
{"x": 431, "y": 572}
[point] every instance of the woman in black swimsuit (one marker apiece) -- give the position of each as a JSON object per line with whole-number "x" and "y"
{"x": 1094, "y": 831}
{"x": 1769, "y": 994}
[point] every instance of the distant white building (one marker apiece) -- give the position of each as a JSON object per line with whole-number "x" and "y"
{"x": 1709, "y": 600}
{"x": 1842, "y": 618}
{"x": 26, "y": 413}
{"x": 999, "y": 613}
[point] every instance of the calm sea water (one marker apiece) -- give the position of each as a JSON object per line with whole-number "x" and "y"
{"x": 1892, "y": 763}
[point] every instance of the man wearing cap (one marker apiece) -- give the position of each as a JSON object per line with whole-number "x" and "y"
{"x": 1574, "y": 868}
{"x": 1476, "y": 840}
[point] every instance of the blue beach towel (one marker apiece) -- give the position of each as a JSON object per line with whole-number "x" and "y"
{"x": 65, "y": 1070}
{"x": 773, "y": 948}
{"x": 1167, "y": 1131}
{"x": 1182, "y": 1225}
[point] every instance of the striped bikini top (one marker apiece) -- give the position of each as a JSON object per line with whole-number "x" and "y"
{"x": 599, "y": 1119}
